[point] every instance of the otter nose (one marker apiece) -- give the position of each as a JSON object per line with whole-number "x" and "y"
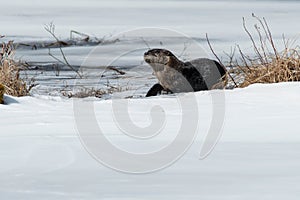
{"x": 146, "y": 53}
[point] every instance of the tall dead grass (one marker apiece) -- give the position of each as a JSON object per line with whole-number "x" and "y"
{"x": 1, "y": 94}
{"x": 283, "y": 68}
{"x": 10, "y": 73}
{"x": 268, "y": 65}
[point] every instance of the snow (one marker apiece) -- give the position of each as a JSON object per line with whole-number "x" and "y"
{"x": 43, "y": 154}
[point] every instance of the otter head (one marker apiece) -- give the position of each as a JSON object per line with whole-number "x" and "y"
{"x": 158, "y": 59}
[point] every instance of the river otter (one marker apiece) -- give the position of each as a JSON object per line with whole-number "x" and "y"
{"x": 176, "y": 76}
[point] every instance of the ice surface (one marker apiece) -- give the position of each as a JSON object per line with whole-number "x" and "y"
{"x": 222, "y": 20}
{"x": 179, "y": 26}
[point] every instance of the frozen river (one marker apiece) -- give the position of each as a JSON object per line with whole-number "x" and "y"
{"x": 179, "y": 26}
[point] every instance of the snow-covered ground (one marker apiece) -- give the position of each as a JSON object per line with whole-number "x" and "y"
{"x": 43, "y": 151}
{"x": 256, "y": 158}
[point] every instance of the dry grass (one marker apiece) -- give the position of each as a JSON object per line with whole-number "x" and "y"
{"x": 283, "y": 68}
{"x": 268, "y": 65}
{"x": 1, "y": 93}
{"x": 10, "y": 73}
{"x": 85, "y": 92}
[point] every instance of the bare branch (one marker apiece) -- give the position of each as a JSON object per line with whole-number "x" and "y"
{"x": 267, "y": 31}
{"x": 219, "y": 60}
{"x": 262, "y": 45}
{"x": 146, "y": 43}
{"x": 185, "y": 46}
{"x": 271, "y": 39}
{"x": 116, "y": 70}
{"x": 230, "y": 55}
{"x": 243, "y": 57}
{"x": 51, "y": 29}
{"x": 252, "y": 40}
{"x": 86, "y": 36}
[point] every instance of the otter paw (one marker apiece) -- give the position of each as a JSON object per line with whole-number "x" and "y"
{"x": 155, "y": 90}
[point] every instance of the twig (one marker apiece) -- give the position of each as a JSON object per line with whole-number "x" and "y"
{"x": 51, "y": 29}
{"x": 271, "y": 39}
{"x": 262, "y": 25}
{"x": 185, "y": 46}
{"x": 285, "y": 42}
{"x": 243, "y": 57}
{"x": 116, "y": 70}
{"x": 219, "y": 60}
{"x": 267, "y": 31}
{"x": 86, "y": 36}
{"x": 55, "y": 58}
{"x": 231, "y": 55}
{"x": 262, "y": 45}
{"x": 252, "y": 40}
{"x": 145, "y": 42}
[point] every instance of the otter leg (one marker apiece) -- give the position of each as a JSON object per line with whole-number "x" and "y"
{"x": 156, "y": 89}
{"x": 169, "y": 91}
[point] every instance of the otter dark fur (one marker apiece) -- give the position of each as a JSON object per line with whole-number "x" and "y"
{"x": 176, "y": 76}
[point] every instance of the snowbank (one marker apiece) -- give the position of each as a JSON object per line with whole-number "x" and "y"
{"x": 256, "y": 157}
